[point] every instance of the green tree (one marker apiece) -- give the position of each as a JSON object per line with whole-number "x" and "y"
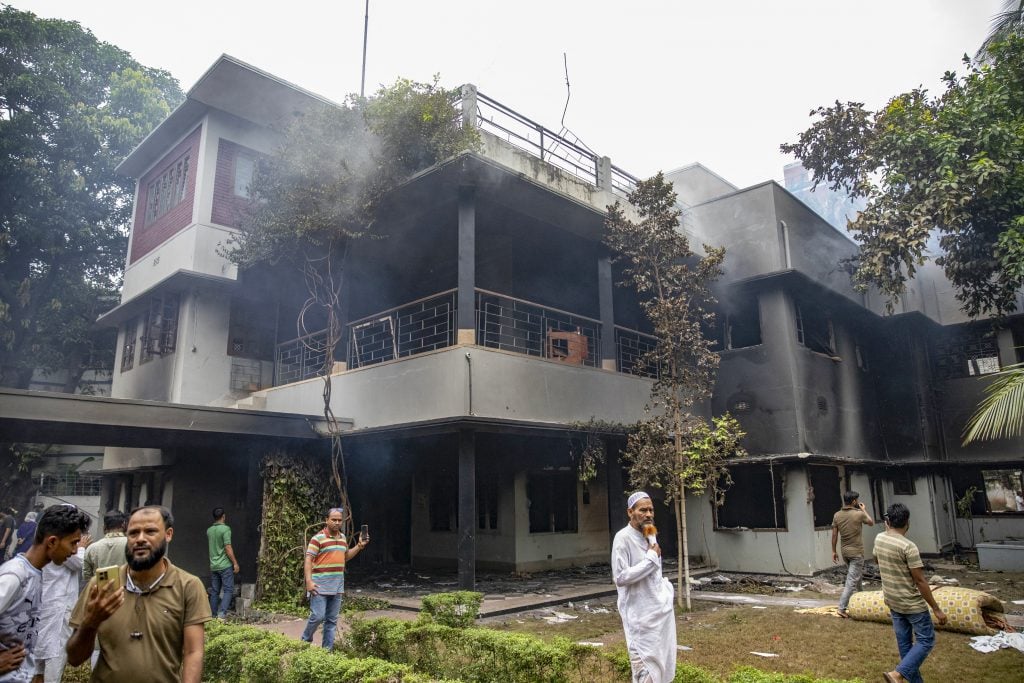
{"x": 951, "y": 165}
{"x": 673, "y": 449}
{"x": 1001, "y": 413}
{"x": 71, "y": 108}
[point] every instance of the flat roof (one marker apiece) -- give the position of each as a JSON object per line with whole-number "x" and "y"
{"x": 57, "y": 418}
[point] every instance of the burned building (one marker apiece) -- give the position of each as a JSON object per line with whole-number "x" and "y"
{"x": 487, "y": 324}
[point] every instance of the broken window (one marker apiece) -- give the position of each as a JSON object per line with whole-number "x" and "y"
{"x": 252, "y": 332}
{"x": 967, "y": 353}
{"x": 755, "y": 499}
{"x": 552, "y": 501}
{"x": 1004, "y": 490}
{"x": 168, "y": 190}
{"x": 444, "y": 501}
{"x": 903, "y": 483}
{"x": 814, "y": 329}
{"x": 824, "y": 483}
{"x": 160, "y": 327}
{"x": 743, "y": 325}
{"x": 487, "y": 503}
{"x": 131, "y": 331}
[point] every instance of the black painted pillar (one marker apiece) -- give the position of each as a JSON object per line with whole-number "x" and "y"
{"x": 466, "y": 298}
{"x": 467, "y": 510}
{"x": 605, "y": 291}
{"x": 616, "y": 492}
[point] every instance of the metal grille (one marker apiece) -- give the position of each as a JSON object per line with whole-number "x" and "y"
{"x": 417, "y": 327}
{"x": 630, "y": 348}
{"x": 966, "y": 355}
{"x": 511, "y": 324}
{"x": 300, "y": 358}
{"x": 69, "y": 484}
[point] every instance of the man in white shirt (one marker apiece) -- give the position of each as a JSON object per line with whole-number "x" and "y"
{"x": 645, "y": 596}
{"x": 57, "y": 536}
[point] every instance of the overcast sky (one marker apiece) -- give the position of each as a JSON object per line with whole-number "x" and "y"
{"x": 655, "y": 84}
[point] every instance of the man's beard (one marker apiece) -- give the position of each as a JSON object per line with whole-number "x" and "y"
{"x": 155, "y": 555}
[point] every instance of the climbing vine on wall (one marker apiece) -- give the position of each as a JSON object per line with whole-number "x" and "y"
{"x": 296, "y": 496}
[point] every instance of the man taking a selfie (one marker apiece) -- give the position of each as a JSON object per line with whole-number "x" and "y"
{"x": 324, "y": 569}
{"x": 149, "y": 619}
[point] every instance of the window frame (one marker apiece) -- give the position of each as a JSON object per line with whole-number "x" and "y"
{"x": 160, "y": 323}
{"x": 131, "y": 336}
{"x": 550, "y": 479}
{"x": 778, "y": 481}
{"x": 754, "y": 307}
{"x": 167, "y": 190}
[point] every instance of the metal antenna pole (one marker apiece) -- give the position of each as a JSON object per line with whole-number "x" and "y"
{"x": 366, "y": 31}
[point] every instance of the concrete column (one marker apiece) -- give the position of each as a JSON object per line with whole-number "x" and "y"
{"x": 469, "y": 106}
{"x": 605, "y": 292}
{"x": 467, "y": 510}
{"x": 604, "y": 173}
{"x": 467, "y": 266}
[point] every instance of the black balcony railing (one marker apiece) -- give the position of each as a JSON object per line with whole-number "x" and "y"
{"x": 502, "y": 322}
{"x": 422, "y": 325}
{"x": 630, "y": 349}
{"x": 511, "y": 324}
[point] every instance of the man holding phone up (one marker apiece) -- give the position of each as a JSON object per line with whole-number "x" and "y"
{"x": 324, "y": 569}
{"x": 148, "y": 615}
{"x": 846, "y": 523}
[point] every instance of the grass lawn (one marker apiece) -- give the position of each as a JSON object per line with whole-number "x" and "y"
{"x": 722, "y": 637}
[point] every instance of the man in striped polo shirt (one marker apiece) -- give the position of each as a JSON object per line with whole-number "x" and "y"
{"x": 907, "y": 595}
{"x": 324, "y": 568}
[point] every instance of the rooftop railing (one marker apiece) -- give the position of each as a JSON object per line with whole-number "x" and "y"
{"x": 564, "y": 149}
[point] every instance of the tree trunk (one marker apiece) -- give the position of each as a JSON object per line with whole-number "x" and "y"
{"x": 683, "y": 575}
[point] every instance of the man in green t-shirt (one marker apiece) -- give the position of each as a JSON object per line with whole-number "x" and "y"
{"x": 907, "y": 595}
{"x": 223, "y": 565}
{"x": 846, "y": 524}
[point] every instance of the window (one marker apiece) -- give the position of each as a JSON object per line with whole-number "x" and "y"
{"x": 814, "y": 329}
{"x": 244, "y": 166}
{"x": 743, "y": 326}
{"x": 160, "y": 328}
{"x": 824, "y": 483}
{"x": 903, "y": 483}
{"x": 131, "y": 331}
{"x": 252, "y": 330}
{"x": 968, "y": 353}
{"x": 444, "y": 501}
{"x": 168, "y": 190}
{"x": 994, "y": 492}
{"x": 487, "y": 503}
{"x": 749, "y": 501}
{"x": 1004, "y": 491}
{"x": 552, "y": 500}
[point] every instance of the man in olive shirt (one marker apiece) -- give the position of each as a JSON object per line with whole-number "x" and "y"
{"x": 158, "y": 635}
{"x": 223, "y": 565}
{"x": 847, "y": 524}
{"x": 109, "y": 550}
{"x": 907, "y": 595}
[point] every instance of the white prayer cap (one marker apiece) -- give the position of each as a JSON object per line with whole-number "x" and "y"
{"x": 635, "y": 498}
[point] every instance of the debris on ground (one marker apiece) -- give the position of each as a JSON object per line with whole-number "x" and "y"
{"x": 937, "y": 580}
{"x": 764, "y": 654}
{"x": 999, "y": 641}
{"x": 559, "y": 617}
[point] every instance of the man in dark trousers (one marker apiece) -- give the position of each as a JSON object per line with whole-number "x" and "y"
{"x": 223, "y": 565}
{"x": 907, "y": 595}
{"x": 846, "y": 523}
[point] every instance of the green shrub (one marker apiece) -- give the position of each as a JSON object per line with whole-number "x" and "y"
{"x": 469, "y": 654}
{"x": 457, "y": 609}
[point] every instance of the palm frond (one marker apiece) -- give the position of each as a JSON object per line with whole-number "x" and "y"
{"x": 1004, "y": 23}
{"x": 1001, "y": 414}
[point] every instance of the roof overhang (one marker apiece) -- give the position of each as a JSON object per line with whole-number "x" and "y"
{"x": 55, "y": 418}
{"x": 178, "y": 281}
{"x": 229, "y": 85}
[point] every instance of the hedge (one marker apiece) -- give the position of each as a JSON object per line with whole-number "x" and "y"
{"x": 245, "y": 654}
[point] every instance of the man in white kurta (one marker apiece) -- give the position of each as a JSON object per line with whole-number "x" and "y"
{"x": 59, "y": 593}
{"x": 645, "y": 596}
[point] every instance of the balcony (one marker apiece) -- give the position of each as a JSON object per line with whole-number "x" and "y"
{"x": 503, "y": 322}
